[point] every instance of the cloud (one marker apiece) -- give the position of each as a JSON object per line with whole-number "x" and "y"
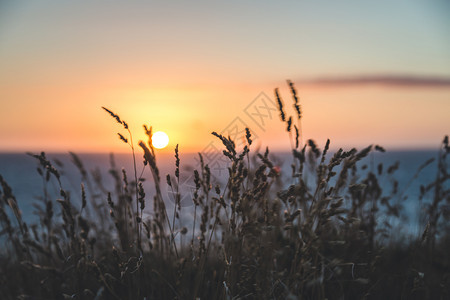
{"x": 384, "y": 80}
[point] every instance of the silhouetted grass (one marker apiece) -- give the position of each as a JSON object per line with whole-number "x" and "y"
{"x": 318, "y": 238}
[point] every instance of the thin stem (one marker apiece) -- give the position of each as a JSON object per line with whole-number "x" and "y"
{"x": 138, "y": 224}
{"x": 193, "y": 228}
{"x": 174, "y": 209}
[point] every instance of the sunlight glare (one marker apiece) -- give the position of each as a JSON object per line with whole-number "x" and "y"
{"x": 160, "y": 140}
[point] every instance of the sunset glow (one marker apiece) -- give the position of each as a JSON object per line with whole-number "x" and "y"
{"x": 160, "y": 140}
{"x": 365, "y": 73}
{"x": 224, "y": 149}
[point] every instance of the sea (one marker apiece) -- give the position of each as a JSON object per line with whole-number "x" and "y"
{"x": 20, "y": 171}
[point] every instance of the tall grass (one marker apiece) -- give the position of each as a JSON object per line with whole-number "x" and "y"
{"x": 251, "y": 238}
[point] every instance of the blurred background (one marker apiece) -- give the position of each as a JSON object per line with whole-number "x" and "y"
{"x": 365, "y": 72}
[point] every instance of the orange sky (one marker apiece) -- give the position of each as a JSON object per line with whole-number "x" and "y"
{"x": 192, "y": 69}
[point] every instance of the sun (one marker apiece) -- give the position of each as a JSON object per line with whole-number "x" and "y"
{"x": 160, "y": 140}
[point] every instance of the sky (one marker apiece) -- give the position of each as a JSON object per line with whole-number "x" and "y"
{"x": 365, "y": 72}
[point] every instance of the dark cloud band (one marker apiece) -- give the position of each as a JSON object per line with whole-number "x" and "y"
{"x": 394, "y": 81}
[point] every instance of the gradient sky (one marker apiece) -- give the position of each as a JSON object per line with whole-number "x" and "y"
{"x": 366, "y": 72}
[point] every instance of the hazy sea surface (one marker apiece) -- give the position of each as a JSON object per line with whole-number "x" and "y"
{"x": 20, "y": 171}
